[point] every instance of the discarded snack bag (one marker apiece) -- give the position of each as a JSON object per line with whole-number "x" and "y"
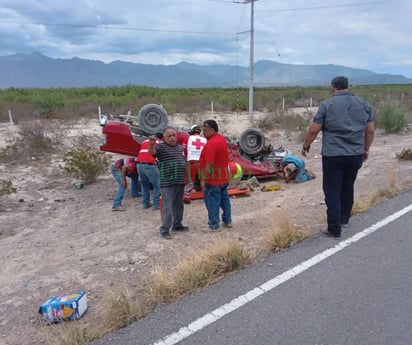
{"x": 64, "y": 307}
{"x": 271, "y": 187}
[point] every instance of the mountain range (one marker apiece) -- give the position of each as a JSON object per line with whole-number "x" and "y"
{"x": 38, "y": 71}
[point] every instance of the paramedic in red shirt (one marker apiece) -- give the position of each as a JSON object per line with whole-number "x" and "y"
{"x": 193, "y": 146}
{"x": 149, "y": 174}
{"x": 214, "y": 174}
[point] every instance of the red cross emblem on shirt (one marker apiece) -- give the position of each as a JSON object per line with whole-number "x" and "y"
{"x": 198, "y": 144}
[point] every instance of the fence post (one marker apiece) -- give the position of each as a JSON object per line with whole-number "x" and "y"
{"x": 10, "y": 118}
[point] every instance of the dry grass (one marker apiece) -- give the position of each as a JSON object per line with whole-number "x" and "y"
{"x": 165, "y": 285}
{"x": 283, "y": 234}
{"x": 120, "y": 309}
{"x": 196, "y": 270}
{"x": 378, "y": 196}
{"x": 69, "y": 333}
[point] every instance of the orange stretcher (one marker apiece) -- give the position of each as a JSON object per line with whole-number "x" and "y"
{"x": 231, "y": 191}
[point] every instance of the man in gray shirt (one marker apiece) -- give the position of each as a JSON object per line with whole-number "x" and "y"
{"x": 347, "y": 126}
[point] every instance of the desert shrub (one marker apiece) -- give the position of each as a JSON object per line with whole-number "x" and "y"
{"x": 391, "y": 118}
{"x": 31, "y": 140}
{"x": 267, "y": 122}
{"x": 33, "y": 135}
{"x": 85, "y": 164}
{"x": 49, "y": 103}
{"x": 404, "y": 155}
{"x": 6, "y": 187}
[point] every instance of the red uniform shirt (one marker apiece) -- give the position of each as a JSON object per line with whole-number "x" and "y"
{"x": 215, "y": 152}
{"x": 144, "y": 155}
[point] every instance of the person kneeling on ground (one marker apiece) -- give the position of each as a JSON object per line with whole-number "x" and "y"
{"x": 293, "y": 169}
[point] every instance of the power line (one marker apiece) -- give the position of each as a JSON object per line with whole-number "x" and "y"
{"x": 119, "y": 28}
{"x": 322, "y": 7}
{"x": 184, "y": 31}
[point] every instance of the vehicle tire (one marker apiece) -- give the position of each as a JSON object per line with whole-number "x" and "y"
{"x": 251, "y": 141}
{"x": 152, "y": 119}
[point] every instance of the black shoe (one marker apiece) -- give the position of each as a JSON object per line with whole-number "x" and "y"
{"x": 180, "y": 228}
{"x": 187, "y": 202}
{"x": 166, "y": 236}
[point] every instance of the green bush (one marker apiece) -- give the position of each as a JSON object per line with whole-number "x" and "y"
{"x": 49, "y": 103}
{"x": 85, "y": 164}
{"x": 6, "y": 187}
{"x": 70, "y": 103}
{"x": 391, "y": 118}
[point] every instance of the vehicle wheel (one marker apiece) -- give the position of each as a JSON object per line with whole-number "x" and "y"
{"x": 152, "y": 119}
{"x": 251, "y": 141}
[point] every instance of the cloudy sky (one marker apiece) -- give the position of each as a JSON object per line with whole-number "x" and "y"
{"x": 374, "y": 35}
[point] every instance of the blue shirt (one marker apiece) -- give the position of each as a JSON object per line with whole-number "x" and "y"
{"x": 344, "y": 118}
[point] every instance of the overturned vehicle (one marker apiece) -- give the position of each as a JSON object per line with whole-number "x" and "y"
{"x": 124, "y": 134}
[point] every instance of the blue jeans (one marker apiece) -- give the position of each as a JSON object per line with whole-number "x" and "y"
{"x": 172, "y": 207}
{"x": 117, "y": 174}
{"x": 149, "y": 174}
{"x": 339, "y": 175}
{"x": 135, "y": 189}
{"x": 216, "y": 197}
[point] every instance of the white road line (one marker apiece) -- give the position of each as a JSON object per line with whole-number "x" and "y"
{"x": 240, "y": 301}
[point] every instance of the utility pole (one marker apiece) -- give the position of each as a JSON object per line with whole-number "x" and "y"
{"x": 251, "y": 58}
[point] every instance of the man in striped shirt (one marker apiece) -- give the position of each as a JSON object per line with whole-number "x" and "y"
{"x": 172, "y": 170}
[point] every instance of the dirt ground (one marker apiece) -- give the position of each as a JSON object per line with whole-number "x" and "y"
{"x": 55, "y": 238}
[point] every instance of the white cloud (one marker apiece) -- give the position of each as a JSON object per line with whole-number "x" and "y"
{"x": 369, "y": 34}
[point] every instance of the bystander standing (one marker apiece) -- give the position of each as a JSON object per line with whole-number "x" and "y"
{"x": 172, "y": 170}
{"x": 215, "y": 176}
{"x": 347, "y": 126}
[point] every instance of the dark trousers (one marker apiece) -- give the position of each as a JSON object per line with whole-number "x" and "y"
{"x": 172, "y": 207}
{"x": 339, "y": 175}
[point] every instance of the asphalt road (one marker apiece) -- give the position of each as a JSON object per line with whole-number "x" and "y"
{"x": 323, "y": 291}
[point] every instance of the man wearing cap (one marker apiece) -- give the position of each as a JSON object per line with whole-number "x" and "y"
{"x": 192, "y": 146}
{"x": 215, "y": 177}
